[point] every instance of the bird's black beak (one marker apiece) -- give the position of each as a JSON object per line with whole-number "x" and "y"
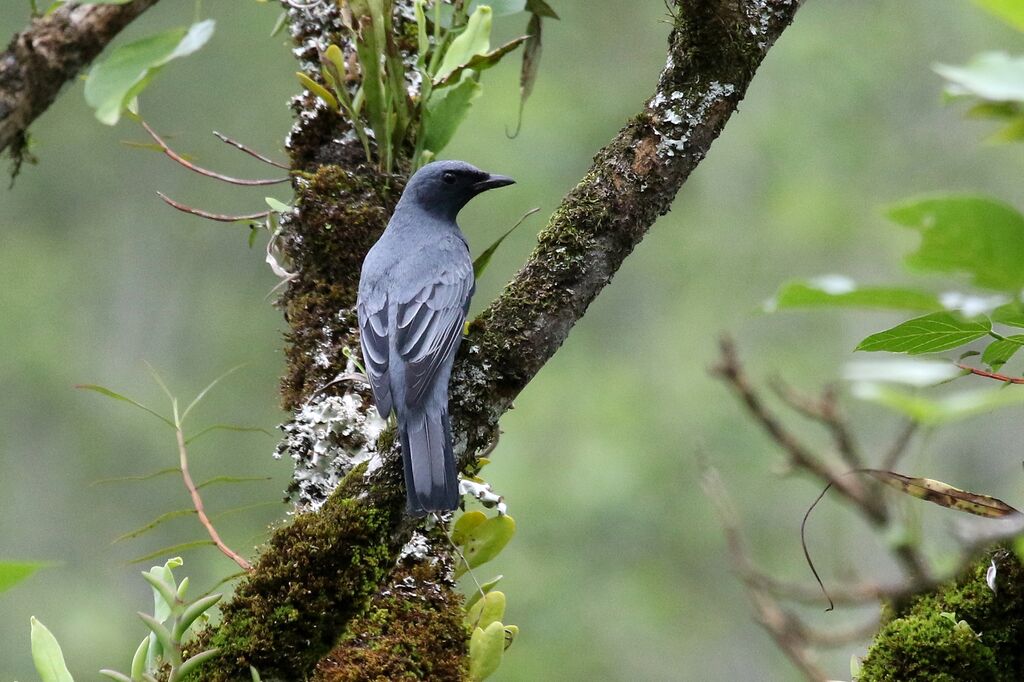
{"x": 492, "y": 182}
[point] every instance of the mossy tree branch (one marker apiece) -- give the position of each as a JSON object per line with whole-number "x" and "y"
{"x": 50, "y": 52}
{"x": 317, "y": 573}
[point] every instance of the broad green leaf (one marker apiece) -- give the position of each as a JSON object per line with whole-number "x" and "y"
{"x": 939, "y": 411}
{"x": 975, "y": 235}
{"x": 928, "y": 334}
{"x": 993, "y": 76}
{"x": 1011, "y": 314}
{"x": 475, "y": 595}
{"x": 999, "y": 352}
{"x": 13, "y": 572}
{"x": 1010, "y": 11}
{"x": 840, "y": 291}
{"x": 446, "y": 109}
{"x": 114, "y": 82}
{"x": 488, "y": 610}
{"x": 475, "y": 39}
{"x": 47, "y": 655}
{"x": 482, "y": 261}
{"x": 486, "y": 648}
{"x": 486, "y": 540}
{"x": 943, "y": 494}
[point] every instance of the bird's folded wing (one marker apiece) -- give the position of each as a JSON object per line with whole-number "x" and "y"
{"x": 430, "y": 328}
{"x": 373, "y": 335}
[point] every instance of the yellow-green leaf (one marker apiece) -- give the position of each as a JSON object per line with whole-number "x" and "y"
{"x": 47, "y": 655}
{"x": 486, "y": 648}
{"x": 487, "y": 610}
{"x": 486, "y": 540}
{"x": 320, "y": 91}
{"x": 466, "y": 523}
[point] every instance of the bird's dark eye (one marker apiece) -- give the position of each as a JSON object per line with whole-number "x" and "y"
{"x": 448, "y": 178}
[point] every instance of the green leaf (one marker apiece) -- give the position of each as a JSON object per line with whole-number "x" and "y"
{"x": 255, "y": 674}
{"x": 13, "y": 572}
{"x": 488, "y": 610}
{"x": 163, "y": 551}
{"x": 163, "y": 635}
{"x": 114, "y": 82}
{"x": 943, "y": 494}
{"x": 153, "y": 524}
{"x": 445, "y": 110}
{"x": 1011, "y": 314}
{"x": 992, "y": 76}
{"x": 1010, "y": 11}
{"x": 320, "y": 91}
{"x": 192, "y": 612}
{"x": 480, "y": 62}
{"x": 541, "y": 9}
{"x": 466, "y": 523}
{"x": 482, "y": 261}
{"x": 193, "y": 663}
{"x": 999, "y": 352}
{"x": 216, "y": 480}
{"x": 228, "y": 427}
{"x": 276, "y": 205}
{"x": 486, "y": 540}
{"x": 486, "y": 648}
{"x": 475, "y": 39}
{"x": 102, "y": 390}
{"x": 114, "y": 675}
{"x": 163, "y": 588}
{"x": 209, "y": 387}
{"x": 139, "y": 659}
{"x": 940, "y": 411}
{"x": 47, "y": 655}
{"x": 840, "y": 291}
{"x": 141, "y": 477}
{"x": 530, "y": 66}
{"x": 928, "y": 334}
{"x": 976, "y": 235}
{"x": 474, "y": 597}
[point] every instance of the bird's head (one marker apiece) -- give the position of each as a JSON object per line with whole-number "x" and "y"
{"x": 446, "y": 186}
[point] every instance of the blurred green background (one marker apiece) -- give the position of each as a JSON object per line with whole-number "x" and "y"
{"x": 618, "y": 570}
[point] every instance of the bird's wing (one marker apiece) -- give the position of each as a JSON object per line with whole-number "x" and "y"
{"x": 373, "y": 335}
{"x": 429, "y": 328}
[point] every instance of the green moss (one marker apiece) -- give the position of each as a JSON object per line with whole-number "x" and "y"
{"x": 920, "y": 644}
{"x": 412, "y": 630}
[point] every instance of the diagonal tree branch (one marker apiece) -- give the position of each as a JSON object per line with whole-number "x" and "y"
{"x": 47, "y": 54}
{"x": 316, "y": 573}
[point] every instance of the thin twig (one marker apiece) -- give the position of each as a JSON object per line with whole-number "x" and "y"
{"x": 197, "y": 502}
{"x": 991, "y": 375}
{"x": 251, "y": 152}
{"x": 824, "y": 411}
{"x": 899, "y": 446}
{"x": 178, "y": 158}
{"x": 219, "y": 217}
{"x": 730, "y": 370}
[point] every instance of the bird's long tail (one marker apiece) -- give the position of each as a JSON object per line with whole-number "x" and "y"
{"x": 431, "y": 479}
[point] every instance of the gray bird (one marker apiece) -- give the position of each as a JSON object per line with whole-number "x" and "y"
{"x": 414, "y": 292}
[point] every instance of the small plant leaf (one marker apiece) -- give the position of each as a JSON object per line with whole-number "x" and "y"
{"x": 486, "y": 648}
{"x": 103, "y": 390}
{"x": 255, "y": 674}
{"x": 474, "y": 597}
{"x": 487, "y": 610}
{"x": 999, "y": 352}
{"x": 166, "y": 591}
{"x": 480, "y": 62}
{"x": 932, "y": 333}
{"x": 114, "y": 675}
{"x": 193, "y": 663}
{"x": 13, "y": 572}
{"x": 153, "y": 524}
{"x": 486, "y": 540}
{"x": 113, "y": 83}
{"x": 466, "y": 523}
{"x": 943, "y": 494}
{"x": 141, "y": 477}
{"x": 838, "y": 291}
{"x": 228, "y": 427}
{"x": 47, "y": 655}
{"x": 139, "y": 659}
{"x": 445, "y": 110}
{"x": 216, "y": 480}
{"x": 475, "y": 39}
{"x": 320, "y": 91}
{"x": 163, "y": 635}
{"x": 193, "y": 611}
{"x": 484, "y": 259}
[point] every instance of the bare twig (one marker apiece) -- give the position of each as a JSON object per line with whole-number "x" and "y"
{"x": 178, "y": 158}
{"x": 249, "y": 151}
{"x": 219, "y": 217}
{"x": 991, "y": 375}
{"x": 824, "y": 411}
{"x": 197, "y": 502}
{"x": 899, "y": 446}
{"x": 800, "y": 456}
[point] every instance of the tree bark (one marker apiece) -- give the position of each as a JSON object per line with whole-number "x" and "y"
{"x": 50, "y": 52}
{"x": 317, "y": 573}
